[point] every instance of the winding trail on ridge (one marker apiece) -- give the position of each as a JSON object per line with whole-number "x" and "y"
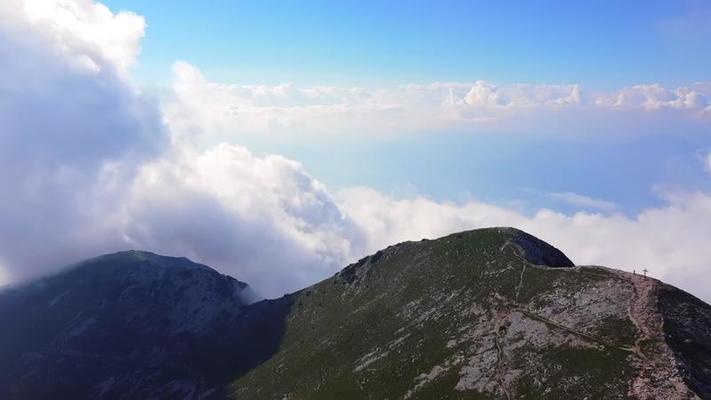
{"x": 640, "y": 312}
{"x": 500, "y": 355}
{"x": 658, "y": 376}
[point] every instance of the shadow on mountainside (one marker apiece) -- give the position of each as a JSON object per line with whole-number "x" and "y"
{"x": 687, "y": 330}
{"x": 242, "y": 343}
{"x": 180, "y": 365}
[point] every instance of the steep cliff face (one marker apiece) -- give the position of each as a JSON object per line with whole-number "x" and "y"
{"x": 485, "y": 314}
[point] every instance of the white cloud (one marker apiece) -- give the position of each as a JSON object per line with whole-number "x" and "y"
{"x": 72, "y": 135}
{"x": 582, "y": 201}
{"x": 84, "y": 31}
{"x": 262, "y": 219}
{"x": 483, "y": 94}
{"x": 477, "y": 107}
{"x": 655, "y": 97}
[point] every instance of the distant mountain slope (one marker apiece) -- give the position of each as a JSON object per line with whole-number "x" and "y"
{"x": 485, "y": 314}
{"x": 126, "y": 325}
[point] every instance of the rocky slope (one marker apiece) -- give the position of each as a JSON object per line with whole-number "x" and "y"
{"x": 486, "y": 314}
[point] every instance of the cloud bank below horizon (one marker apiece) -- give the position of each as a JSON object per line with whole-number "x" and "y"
{"x": 478, "y": 107}
{"x": 92, "y": 165}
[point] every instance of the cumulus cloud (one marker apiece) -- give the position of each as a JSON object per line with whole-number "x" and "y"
{"x": 73, "y": 130}
{"x": 85, "y": 32}
{"x": 521, "y": 95}
{"x": 477, "y": 107}
{"x": 263, "y": 219}
{"x": 655, "y": 97}
{"x": 89, "y": 167}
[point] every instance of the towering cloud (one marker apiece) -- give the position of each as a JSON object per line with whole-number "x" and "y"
{"x": 73, "y": 129}
{"x": 263, "y": 219}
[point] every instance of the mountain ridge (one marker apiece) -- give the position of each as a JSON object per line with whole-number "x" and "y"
{"x": 489, "y": 313}
{"x": 575, "y": 320}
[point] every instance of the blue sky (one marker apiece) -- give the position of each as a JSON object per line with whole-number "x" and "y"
{"x": 602, "y": 43}
{"x": 503, "y": 168}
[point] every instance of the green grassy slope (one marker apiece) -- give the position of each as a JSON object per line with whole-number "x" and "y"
{"x": 466, "y": 316}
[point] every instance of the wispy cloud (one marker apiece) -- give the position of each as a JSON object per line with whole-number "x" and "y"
{"x": 583, "y": 202}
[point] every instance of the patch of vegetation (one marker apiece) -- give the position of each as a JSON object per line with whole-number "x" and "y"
{"x": 373, "y": 330}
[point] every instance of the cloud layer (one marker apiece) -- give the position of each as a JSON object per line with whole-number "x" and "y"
{"x": 89, "y": 164}
{"x": 437, "y": 107}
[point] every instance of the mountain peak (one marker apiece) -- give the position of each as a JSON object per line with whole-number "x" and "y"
{"x": 502, "y": 239}
{"x": 132, "y": 258}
